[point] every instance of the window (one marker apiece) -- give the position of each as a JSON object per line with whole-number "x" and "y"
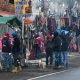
{"x": 11, "y": 1}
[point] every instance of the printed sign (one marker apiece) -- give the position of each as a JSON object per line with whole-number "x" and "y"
{"x": 23, "y": 8}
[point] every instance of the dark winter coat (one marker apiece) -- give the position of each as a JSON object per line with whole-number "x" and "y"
{"x": 65, "y": 45}
{"x": 16, "y": 45}
{"x": 57, "y": 44}
{"x": 49, "y": 46}
{"x": 6, "y": 45}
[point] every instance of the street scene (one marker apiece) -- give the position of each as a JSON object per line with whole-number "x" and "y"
{"x": 39, "y": 39}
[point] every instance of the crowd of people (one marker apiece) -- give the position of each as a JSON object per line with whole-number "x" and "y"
{"x": 57, "y": 48}
{"x": 57, "y": 45}
{"x": 54, "y": 46}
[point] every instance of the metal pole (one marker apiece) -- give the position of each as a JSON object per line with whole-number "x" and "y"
{"x": 23, "y": 28}
{"x": 22, "y": 35}
{"x": 22, "y": 41}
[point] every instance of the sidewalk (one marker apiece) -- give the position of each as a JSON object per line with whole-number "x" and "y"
{"x": 71, "y": 56}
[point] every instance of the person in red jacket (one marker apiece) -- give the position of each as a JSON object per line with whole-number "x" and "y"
{"x": 6, "y": 44}
{"x": 6, "y": 49}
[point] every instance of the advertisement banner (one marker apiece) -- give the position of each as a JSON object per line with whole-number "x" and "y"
{"x": 23, "y": 8}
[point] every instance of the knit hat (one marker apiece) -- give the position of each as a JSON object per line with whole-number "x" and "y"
{"x": 7, "y": 34}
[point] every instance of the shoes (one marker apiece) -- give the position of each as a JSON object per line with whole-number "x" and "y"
{"x": 19, "y": 68}
{"x": 14, "y": 70}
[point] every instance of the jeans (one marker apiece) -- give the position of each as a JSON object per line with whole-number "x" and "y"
{"x": 38, "y": 54}
{"x": 58, "y": 58}
{"x": 37, "y": 51}
{"x": 17, "y": 59}
{"x": 65, "y": 58}
{"x": 47, "y": 58}
{"x": 7, "y": 62}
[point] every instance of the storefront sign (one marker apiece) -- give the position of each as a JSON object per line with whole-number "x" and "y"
{"x": 23, "y": 8}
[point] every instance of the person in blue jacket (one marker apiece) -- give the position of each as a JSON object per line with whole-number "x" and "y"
{"x": 16, "y": 52}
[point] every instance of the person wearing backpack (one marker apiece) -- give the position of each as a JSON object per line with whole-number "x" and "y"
{"x": 49, "y": 51}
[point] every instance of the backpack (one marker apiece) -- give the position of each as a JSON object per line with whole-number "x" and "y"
{"x": 5, "y": 42}
{"x": 6, "y": 46}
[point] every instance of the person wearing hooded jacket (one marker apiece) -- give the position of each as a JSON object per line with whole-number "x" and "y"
{"x": 16, "y": 52}
{"x": 57, "y": 49}
{"x": 64, "y": 49}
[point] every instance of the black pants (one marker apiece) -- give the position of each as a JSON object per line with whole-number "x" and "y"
{"x": 49, "y": 54}
{"x": 16, "y": 60}
{"x": 37, "y": 51}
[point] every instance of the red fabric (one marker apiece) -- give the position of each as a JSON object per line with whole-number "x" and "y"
{"x": 11, "y": 39}
{"x": 40, "y": 42}
{"x": 7, "y": 34}
{"x": 32, "y": 55}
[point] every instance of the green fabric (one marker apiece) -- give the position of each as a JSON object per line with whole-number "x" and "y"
{"x": 15, "y": 22}
{"x": 12, "y": 20}
{"x": 6, "y": 19}
{"x": 1, "y": 16}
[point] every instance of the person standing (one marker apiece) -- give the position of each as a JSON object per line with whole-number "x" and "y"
{"x": 64, "y": 48}
{"x": 78, "y": 41}
{"x": 6, "y": 44}
{"x": 37, "y": 46}
{"x": 49, "y": 51}
{"x": 16, "y": 52}
{"x": 6, "y": 52}
{"x": 57, "y": 49}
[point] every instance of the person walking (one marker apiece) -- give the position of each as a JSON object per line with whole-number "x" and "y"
{"x": 16, "y": 52}
{"x": 6, "y": 44}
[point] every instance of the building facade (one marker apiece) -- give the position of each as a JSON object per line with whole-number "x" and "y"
{"x": 7, "y": 5}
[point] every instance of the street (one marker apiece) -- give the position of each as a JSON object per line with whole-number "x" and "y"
{"x": 31, "y": 72}
{"x": 73, "y": 74}
{"x": 39, "y": 39}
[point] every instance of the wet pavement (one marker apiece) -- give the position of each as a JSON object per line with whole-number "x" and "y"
{"x": 73, "y": 74}
{"x": 34, "y": 71}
